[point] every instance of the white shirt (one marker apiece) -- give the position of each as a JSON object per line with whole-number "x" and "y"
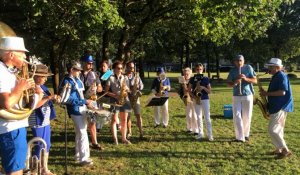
{"x": 7, "y": 83}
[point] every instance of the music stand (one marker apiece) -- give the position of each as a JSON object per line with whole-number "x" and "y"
{"x": 157, "y": 101}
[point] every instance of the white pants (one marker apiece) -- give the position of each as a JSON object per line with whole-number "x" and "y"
{"x": 191, "y": 120}
{"x": 204, "y": 107}
{"x": 82, "y": 149}
{"x": 276, "y": 129}
{"x": 164, "y": 112}
{"x": 242, "y": 114}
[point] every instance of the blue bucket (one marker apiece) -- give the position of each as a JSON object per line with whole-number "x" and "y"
{"x": 228, "y": 111}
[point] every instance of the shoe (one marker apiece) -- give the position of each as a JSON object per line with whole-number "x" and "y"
{"x": 196, "y": 133}
{"x": 210, "y": 139}
{"x": 155, "y": 126}
{"x": 284, "y": 154}
{"x": 188, "y": 131}
{"x": 128, "y": 136}
{"x": 165, "y": 126}
{"x": 274, "y": 152}
{"x": 247, "y": 139}
{"x": 126, "y": 142}
{"x": 88, "y": 162}
{"x": 96, "y": 146}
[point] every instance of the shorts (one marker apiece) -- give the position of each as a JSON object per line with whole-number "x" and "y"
{"x": 125, "y": 108}
{"x": 137, "y": 107}
{"x": 13, "y": 149}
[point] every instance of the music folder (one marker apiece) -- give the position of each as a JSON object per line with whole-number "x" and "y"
{"x": 157, "y": 101}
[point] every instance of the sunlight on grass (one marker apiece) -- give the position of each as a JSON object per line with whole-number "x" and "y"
{"x": 172, "y": 151}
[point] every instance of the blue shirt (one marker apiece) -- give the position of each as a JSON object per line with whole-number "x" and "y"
{"x": 76, "y": 99}
{"x": 247, "y": 88}
{"x": 204, "y": 81}
{"x": 280, "y": 81}
{"x": 156, "y": 85}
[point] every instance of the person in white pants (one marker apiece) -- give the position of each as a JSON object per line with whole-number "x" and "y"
{"x": 76, "y": 107}
{"x": 160, "y": 87}
{"x": 241, "y": 79}
{"x": 185, "y": 95}
{"x": 280, "y": 102}
{"x": 200, "y": 88}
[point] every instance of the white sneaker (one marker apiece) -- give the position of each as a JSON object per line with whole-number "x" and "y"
{"x": 210, "y": 139}
{"x": 198, "y": 137}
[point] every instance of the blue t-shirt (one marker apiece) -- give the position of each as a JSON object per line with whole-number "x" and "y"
{"x": 247, "y": 88}
{"x": 156, "y": 85}
{"x": 280, "y": 81}
{"x": 204, "y": 81}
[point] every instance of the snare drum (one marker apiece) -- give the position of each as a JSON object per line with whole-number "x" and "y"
{"x": 100, "y": 116}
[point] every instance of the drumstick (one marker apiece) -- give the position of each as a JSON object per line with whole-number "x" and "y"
{"x": 101, "y": 96}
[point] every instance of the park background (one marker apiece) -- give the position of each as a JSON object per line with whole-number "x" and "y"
{"x": 169, "y": 34}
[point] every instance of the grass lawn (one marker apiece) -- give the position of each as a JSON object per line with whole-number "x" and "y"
{"x": 172, "y": 151}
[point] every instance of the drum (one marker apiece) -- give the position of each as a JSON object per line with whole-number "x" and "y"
{"x": 100, "y": 116}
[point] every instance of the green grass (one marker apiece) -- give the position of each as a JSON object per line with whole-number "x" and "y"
{"x": 172, "y": 151}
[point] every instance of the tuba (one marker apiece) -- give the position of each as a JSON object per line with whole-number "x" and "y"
{"x": 123, "y": 92}
{"x": 262, "y": 102}
{"x": 135, "y": 92}
{"x": 21, "y": 113}
{"x": 34, "y": 165}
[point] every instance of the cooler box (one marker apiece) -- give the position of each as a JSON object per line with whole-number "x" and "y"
{"x": 228, "y": 111}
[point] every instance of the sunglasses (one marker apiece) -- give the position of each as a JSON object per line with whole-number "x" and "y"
{"x": 120, "y": 68}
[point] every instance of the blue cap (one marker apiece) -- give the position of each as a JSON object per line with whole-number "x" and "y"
{"x": 87, "y": 58}
{"x": 160, "y": 70}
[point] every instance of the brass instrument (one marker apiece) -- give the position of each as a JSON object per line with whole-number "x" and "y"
{"x": 186, "y": 95}
{"x": 262, "y": 102}
{"x": 91, "y": 93}
{"x": 123, "y": 92}
{"x": 162, "y": 78}
{"x": 34, "y": 165}
{"x": 198, "y": 93}
{"x": 21, "y": 113}
{"x": 135, "y": 92}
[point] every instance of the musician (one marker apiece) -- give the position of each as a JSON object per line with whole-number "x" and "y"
{"x": 191, "y": 121}
{"x": 160, "y": 87}
{"x": 200, "y": 86}
{"x": 76, "y": 107}
{"x": 116, "y": 85}
{"x": 88, "y": 77}
{"x": 39, "y": 120}
{"x": 280, "y": 102}
{"x": 241, "y": 78}
{"x": 132, "y": 77}
{"x": 12, "y": 133}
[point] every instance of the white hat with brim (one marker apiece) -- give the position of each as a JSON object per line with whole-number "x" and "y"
{"x": 274, "y": 62}
{"x": 12, "y": 43}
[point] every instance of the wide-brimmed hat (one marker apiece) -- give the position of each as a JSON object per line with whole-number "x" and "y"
{"x": 42, "y": 70}
{"x": 12, "y": 43}
{"x": 274, "y": 62}
{"x": 74, "y": 64}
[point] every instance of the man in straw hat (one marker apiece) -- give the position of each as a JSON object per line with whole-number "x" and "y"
{"x": 280, "y": 102}
{"x": 39, "y": 120}
{"x": 13, "y": 144}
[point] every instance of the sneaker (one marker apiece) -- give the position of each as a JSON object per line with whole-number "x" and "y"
{"x": 157, "y": 125}
{"x": 196, "y": 133}
{"x": 274, "y": 152}
{"x": 237, "y": 140}
{"x": 247, "y": 139}
{"x": 197, "y": 137}
{"x": 284, "y": 154}
{"x": 210, "y": 139}
{"x": 88, "y": 162}
{"x": 165, "y": 126}
{"x": 129, "y": 136}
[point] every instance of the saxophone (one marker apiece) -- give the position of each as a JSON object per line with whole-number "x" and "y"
{"x": 34, "y": 166}
{"x": 135, "y": 92}
{"x": 162, "y": 77}
{"x": 186, "y": 95}
{"x": 123, "y": 92}
{"x": 198, "y": 93}
{"x": 262, "y": 102}
{"x": 91, "y": 93}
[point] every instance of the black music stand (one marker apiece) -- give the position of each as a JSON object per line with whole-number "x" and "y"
{"x": 157, "y": 101}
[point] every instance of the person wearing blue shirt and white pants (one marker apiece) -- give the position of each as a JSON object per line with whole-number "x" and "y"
{"x": 280, "y": 102}
{"x": 76, "y": 107}
{"x": 241, "y": 78}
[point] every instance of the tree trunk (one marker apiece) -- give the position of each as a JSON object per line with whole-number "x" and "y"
{"x": 181, "y": 50}
{"x": 55, "y": 66}
{"x": 105, "y": 44}
{"x": 217, "y": 61}
{"x": 208, "y": 58}
{"x": 187, "y": 53}
{"x": 141, "y": 66}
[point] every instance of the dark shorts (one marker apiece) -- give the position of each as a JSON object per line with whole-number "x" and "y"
{"x": 13, "y": 149}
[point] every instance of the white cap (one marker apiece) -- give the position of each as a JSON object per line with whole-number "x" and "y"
{"x": 274, "y": 62}
{"x": 12, "y": 43}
